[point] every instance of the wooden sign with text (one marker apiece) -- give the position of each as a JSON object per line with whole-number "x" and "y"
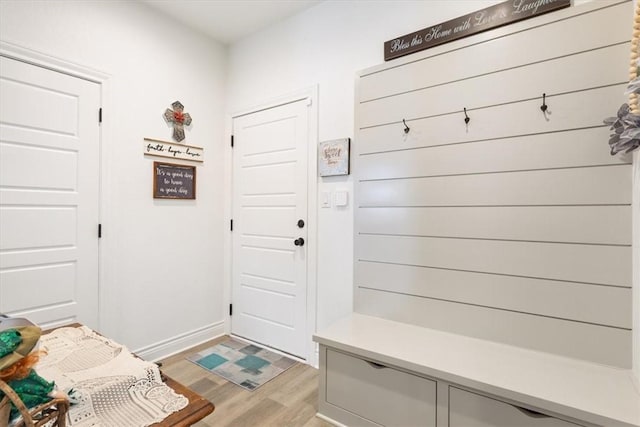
{"x": 156, "y": 147}
{"x": 467, "y": 25}
{"x": 172, "y": 181}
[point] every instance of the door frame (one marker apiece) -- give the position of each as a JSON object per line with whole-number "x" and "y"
{"x": 311, "y": 95}
{"x": 33, "y": 57}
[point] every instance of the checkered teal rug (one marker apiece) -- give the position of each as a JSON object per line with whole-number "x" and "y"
{"x": 246, "y": 365}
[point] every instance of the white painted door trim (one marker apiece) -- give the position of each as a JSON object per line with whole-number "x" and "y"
{"x": 635, "y": 244}
{"x": 311, "y": 94}
{"x": 105, "y": 261}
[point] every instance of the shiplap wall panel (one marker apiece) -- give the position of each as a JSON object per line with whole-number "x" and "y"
{"x": 607, "y": 265}
{"x": 566, "y": 112}
{"x": 515, "y": 227}
{"x": 536, "y": 43}
{"x": 584, "y": 107}
{"x": 564, "y": 300}
{"x": 581, "y": 147}
{"x": 596, "y": 343}
{"x": 486, "y": 90}
{"x": 579, "y": 186}
{"x": 605, "y": 225}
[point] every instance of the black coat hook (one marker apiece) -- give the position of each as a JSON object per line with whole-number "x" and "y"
{"x": 466, "y": 118}
{"x": 406, "y": 128}
{"x": 544, "y": 107}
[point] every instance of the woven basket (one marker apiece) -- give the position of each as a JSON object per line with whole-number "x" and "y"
{"x": 52, "y": 413}
{"x": 5, "y": 411}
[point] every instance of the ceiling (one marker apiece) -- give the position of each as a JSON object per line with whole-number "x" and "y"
{"x": 228, "y": 21}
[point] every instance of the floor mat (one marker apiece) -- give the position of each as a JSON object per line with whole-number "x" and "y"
{"x": 244, "y": 364}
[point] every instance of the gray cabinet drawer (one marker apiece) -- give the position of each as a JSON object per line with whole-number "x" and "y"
{"x": 467, "y": 409}
{"x": 379, "y": 394}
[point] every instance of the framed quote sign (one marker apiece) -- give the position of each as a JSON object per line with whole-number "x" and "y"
{"x": 333, "y": 157}
{"x": 172, "y": 181}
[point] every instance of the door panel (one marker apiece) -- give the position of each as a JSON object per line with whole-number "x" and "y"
{"x": 269, "y": 285}
{"x": 263, "y": 181}
{"x": 49, "y": 195}
{"x": 27, "y": 289}
{"x": 27, "y": 105}
{"x": 25, "y": 228}
{"x": 33, "y": 171}
{"x": 268, "y": 220}
{"x": 269, "y": 263}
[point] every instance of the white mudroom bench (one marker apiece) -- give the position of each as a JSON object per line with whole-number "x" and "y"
{"x": 375, "y": 371}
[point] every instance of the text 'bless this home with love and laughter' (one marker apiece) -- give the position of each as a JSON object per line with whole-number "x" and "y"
{"x": 467, "y": 25}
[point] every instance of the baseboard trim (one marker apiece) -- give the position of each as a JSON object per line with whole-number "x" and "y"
{"x": 181, "y": 342}
{"x": 329, "y": 420}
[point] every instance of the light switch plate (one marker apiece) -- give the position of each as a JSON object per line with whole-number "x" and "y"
{"x": 342, "y": 198}
{"x": 326, "y": 199}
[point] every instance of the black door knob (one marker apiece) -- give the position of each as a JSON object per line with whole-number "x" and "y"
{"x": 300, "y": 223}
{"x": 299, "y": 241}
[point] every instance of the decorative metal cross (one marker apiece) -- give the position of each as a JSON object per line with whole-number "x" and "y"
{"x": 178, "y": 118}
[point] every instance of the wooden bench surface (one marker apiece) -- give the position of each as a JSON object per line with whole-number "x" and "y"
{"x": 197, "y": 409}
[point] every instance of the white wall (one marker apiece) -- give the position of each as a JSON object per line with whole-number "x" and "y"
{"x": 327, "y": 45}
{"x": 162, "y": 260}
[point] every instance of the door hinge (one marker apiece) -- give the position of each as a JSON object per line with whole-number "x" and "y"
{"x": 100, "y": 115}
{"x": 231, "y": 225}
{"x": 231, "y": 141}
{"x": 99, "y": 231}
{"x": 230, "y": 309}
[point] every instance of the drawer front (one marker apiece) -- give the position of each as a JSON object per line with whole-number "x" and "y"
{"x": 383, "y": 395}
{"x": 468, "y": 409}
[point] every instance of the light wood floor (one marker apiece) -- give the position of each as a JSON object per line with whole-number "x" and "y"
{"x": 290, "y": 399}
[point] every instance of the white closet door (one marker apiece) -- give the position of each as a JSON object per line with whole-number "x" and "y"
{"x": 49, "y": 195}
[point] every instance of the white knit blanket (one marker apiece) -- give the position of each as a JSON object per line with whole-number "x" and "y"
{"x": 111, "y": 386}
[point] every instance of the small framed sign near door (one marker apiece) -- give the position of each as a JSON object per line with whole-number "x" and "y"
{"x": 333, "y": 157}
{"x": 173, "y": 181}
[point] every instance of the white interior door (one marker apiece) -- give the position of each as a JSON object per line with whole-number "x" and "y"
{"x": 269, "y": 271}
{"x": 49, "y": 195}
